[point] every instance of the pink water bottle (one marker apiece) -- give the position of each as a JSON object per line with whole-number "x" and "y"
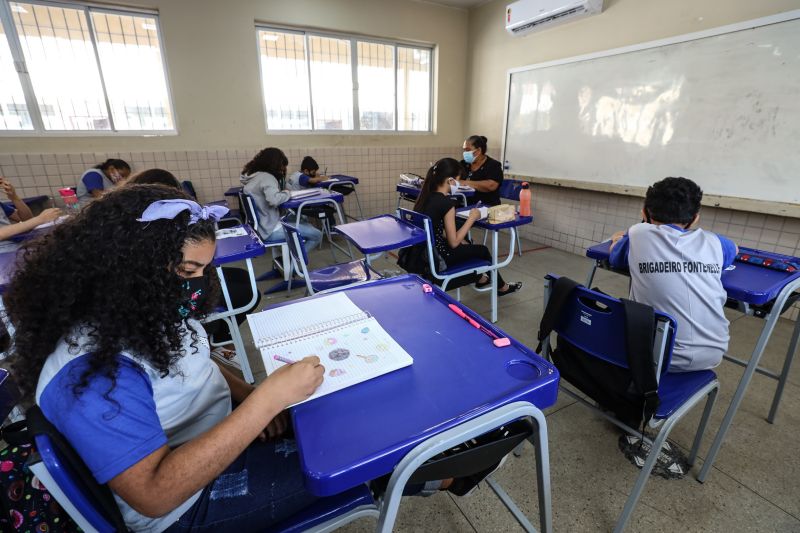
{"x": 525, "y": 201}
{"x": 69, "y": 198}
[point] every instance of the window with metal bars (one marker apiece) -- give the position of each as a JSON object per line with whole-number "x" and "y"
{"x": 316, "y": 81}
{"x": 69, "y": 67}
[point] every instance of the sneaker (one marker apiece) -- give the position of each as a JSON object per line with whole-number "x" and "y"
{"x": 464, "y": 486}
{"x": 226, "y": 357}
{"x": 671, "y": 463}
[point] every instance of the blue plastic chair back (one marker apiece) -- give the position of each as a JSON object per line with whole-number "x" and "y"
{"x": 510, "y": 189}
{"x": 412, "y": 217}
{"x": 248, "y": 209}
{"x": 188, "y": 188}
{"x": 70, "y": 484}
{"x": 295, "y": 242}
{"x": 595, "y": 323}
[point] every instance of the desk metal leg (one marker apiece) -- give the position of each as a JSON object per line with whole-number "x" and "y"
{"x": 752, "y": 365}
{"x": 787, "y": 365}
{"x": 495, "y": 238}
{"x": 590, "y": 278}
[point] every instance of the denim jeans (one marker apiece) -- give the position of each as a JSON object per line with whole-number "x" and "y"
{"x": 312, "y": 235}
{"x": 262, "y": 487}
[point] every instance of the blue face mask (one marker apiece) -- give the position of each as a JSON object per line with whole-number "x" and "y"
{"x": 469, "y": 157}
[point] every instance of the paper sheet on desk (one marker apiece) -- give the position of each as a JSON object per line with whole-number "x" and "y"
{"x": 55, "y": 222}
{"x": 465, "y": 213}
{"x": 231, "y": 232}
{"x": 303, "y": 193}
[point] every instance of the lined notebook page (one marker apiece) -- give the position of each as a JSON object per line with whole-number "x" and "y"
{"x": 350, "y": 354}
{"x": 302, "y": 317}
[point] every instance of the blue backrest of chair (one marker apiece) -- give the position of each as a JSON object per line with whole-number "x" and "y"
{"x": 296, "y": 246}
{"x": 412, "y": 217}
{"x": 188, "y": 188}
{"x": 595, "y": 323}
{"x": 510, "y": 189}
{"x": 247, "y": 206}
{"x": 70, "y": 484}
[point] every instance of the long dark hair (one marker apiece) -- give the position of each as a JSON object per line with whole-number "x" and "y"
{"x": 271, "y": 160}
{"x": 437, "y": 174}
{"x": 107, "y": 277}
{"x": 479, "y": 142}
{"x": 119, "y": 164}
{"x": 156, "y": 176}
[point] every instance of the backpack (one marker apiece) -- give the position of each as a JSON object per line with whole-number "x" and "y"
{"x": 631, "y": 394}
{"x": 414, "y": 260}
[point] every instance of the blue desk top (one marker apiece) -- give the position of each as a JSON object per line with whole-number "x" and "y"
{"x": 752, "y": 284}
{"x": 323, "y": 197}
{"x": 361, "y": 433}
{"x": 7, "y": 268}
{"x": 381, "y": 233}
{"x": 340, "y": 178}
{"x": 238, "y": 248}
{"x": 234, "y": 191}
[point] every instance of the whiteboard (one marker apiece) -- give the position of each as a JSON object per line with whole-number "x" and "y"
{"x": 720, "y": 107}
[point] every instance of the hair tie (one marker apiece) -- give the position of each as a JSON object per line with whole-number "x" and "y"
{"x": 169, "y": 209}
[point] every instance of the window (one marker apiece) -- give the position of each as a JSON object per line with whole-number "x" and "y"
{"x": 78, "y": 68}
{"x": 328, "y": 82}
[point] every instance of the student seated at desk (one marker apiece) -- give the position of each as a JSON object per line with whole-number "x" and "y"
{"x": 434, "y": 202}
{"x": 236, "y": 279}
{"x": 19, "y": 219}
{"x": 481, "y": 172}
{"x": 676, "y": 267}
{"x": 101, "y": 179}
{"x": 261, "y": 178}
{"x": 306, "y": 176}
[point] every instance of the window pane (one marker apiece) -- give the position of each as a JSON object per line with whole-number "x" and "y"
{"x": 376, "y": 86}
{"x": 133, "y": 71}
{"x": 413, "y": 89}
{"x": 284, "y": 79}
{"x": 61, "y": 61}
{"x": 332, "y": 83}
{"x": 13, "y": 109}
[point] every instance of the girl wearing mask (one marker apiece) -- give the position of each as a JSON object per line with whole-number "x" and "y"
{"x": 101, "y": 179}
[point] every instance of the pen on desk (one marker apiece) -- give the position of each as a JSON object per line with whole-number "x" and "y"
{"x": 284, "y": 359}
{"x": 497, "y": 341}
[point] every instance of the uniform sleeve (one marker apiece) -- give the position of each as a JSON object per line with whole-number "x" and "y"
{"x": 272, "y": 192}
{"x": 112, "y": 429}
{"x": 619, "y": 254}
{"x": 495, "y": 171}
{"x": 728, "y": 251}
{"x": 93, "y": 181}
{"x": 303, "y": 180}
{"x": 8, "y": 209}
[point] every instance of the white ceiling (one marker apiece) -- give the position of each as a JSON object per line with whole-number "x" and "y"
{"x": 463, "y": 4}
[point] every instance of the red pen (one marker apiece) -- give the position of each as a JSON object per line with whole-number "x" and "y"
{"x": 497, "y": 341}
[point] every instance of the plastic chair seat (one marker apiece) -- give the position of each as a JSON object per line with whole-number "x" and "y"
{"x": 675, "y": 388}
{"x": 465, "y": 267}
{"x": 341, "y": 274}
{"x": 325, "y": 509}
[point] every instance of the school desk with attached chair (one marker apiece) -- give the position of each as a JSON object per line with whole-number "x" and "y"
{"x": 344, "y": 185}
{"x": 380, "y": 234}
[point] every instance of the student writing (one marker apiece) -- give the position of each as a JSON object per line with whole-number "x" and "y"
{"x": 18, "y": 218}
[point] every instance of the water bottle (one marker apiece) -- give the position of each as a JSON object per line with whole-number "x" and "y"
{"x": 69, "y": 198}
{"x": 525, "y": 200}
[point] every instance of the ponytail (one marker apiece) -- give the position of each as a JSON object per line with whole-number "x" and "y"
{"x": 437, "y": 174}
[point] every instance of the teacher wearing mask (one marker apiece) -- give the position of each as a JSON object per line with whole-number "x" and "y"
{"x": 481, "y": 172}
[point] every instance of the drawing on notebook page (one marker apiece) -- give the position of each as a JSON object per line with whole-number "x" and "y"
{"x": 368, "y": 358}
{"x": 336, "y": 372}
{"x": 339, "y": 354}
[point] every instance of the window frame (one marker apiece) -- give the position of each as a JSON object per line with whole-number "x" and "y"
{"x": 354, "y": 39}
{"x": 17, "y": 54}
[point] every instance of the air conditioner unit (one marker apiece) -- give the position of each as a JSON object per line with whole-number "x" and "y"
{"x": 526, "y": 16}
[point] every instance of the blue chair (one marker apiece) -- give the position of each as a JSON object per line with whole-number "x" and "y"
{"x": 509, "y": 190}
{"x": 93, "y": 508}
{"x": 250, "y": 216}
{"x": 443, "y": 275}
{"x": 327, "y": 278}
{"x": 603, "y": 336}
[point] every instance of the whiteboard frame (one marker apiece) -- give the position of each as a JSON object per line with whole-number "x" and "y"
{"x": 731, "y": 202}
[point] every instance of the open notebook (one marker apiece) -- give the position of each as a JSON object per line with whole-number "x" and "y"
{"x": 350, "y": 343}
{"x": 465, "y": 213}
{"x": 303, "y": 193}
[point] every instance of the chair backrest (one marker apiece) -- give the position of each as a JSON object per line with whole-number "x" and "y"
{"x": 188, "y": 188}
{"x": 510, "y": 189}
{"x": 595, "y": 323}
{"x": 248, "y": 210}
{"x": 423, "y": 222}
{"x": 297, "y": 248}
{"x": 69, "y": 480}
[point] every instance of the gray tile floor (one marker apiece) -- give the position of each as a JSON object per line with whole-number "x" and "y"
{"x": 755, "y": 483}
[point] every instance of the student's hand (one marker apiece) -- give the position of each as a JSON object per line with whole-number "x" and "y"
{"x": 7, "y": 188}
{"x": 294, "y": 383}
{"x": 48, "y": 215}
{"x": 276, "y": 428}
{"x": 474, "y": 214}
{"x": 617, "y": 236}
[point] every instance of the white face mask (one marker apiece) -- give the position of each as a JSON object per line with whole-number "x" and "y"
{"x": 454, "y": 184}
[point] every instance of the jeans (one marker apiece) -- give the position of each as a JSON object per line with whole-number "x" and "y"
{"x": 262, "y": 487}
{"x": 311, "y": 235}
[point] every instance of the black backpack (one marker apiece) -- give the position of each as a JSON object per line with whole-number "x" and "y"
{"x": 631, "y": 394}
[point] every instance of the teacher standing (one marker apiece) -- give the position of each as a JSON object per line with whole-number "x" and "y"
{"x": 482, "y": 173}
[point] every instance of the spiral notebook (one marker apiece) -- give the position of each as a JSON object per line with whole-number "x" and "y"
{"x": 351, "y": 344}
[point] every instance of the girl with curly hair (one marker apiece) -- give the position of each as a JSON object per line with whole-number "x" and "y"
{"x": 263, "y": 178}
{"x": 108, "y": 345}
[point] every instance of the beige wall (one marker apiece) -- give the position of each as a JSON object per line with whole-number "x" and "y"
{"x": 492, "y": 51}
{"x": 212, "y": 59}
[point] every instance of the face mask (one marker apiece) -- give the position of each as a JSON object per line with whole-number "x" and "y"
{"x": 469, "y": 157}
{"x": 194, "y": 295}
{"x": 454, "y": 186}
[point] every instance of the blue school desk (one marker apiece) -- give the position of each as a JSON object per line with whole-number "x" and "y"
{"x": 372, "y": 429}
{"x": 36, "y": 203}
{"x": 230, "y": 250}
{"x": 755, "y": 291}
{"x": 234, "y": 191}
{"x": 323, "y": 198}
{"x": 341, "y": 181}
{"x": 380, "y": 234}
{"x": 409, "y": 193}
{"x": 496, "y": 264}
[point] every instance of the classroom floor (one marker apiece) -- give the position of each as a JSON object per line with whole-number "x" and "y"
{"x": 755, "y": 482}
